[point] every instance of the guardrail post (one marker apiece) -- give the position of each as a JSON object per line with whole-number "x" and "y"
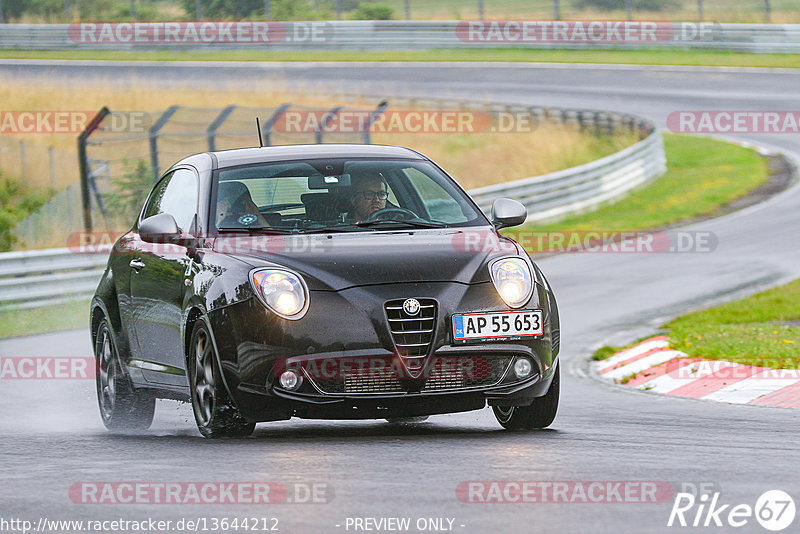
{"x": 23, "y": 167}
{"x": 1, "y": 12}
{"x": 266, "y": 128}
{"x": 373, "y": 116}
{"x": 83, "y": 162}
{"x": 153, "y": 133}
{"x": 556, "y": 10}
{"x": 51, "y": 154}
{"x": 700, "y": 10}
{"x": 629, "y": 9}
{"x": 326, "y": 119}
{"x": 211, "y": 132}
{"x": 408, "y": 9}
{"x": 767, "y": 11}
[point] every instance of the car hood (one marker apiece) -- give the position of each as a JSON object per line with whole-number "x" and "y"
{"x": 344, "y": 260}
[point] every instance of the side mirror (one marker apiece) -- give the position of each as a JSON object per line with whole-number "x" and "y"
{"x": 507, "y": 212}
{"x": 160, "y": 228}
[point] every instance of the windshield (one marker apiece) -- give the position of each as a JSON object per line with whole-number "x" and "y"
{"x": 339, "y": 195}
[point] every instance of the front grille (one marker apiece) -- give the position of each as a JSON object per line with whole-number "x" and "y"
{"x": 412, "y": 334}
{"x": 441, "y": 373}
{"x": 359, "y": 383}
{"x": 361, "y": 375}
{"x": 451, "y": 372}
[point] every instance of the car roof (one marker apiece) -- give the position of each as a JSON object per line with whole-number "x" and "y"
{"x": 244, "y": 156}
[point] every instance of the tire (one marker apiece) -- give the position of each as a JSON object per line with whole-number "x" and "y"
{"x": 214, "y": 413}
{"x": 122, "y": 407}
{"x": 539, "y": 414}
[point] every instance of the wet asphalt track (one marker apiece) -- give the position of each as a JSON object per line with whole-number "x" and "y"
{"x": 52, "y": 436}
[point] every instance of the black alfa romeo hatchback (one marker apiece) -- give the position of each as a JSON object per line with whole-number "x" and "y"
{"x": 322, "y": 281}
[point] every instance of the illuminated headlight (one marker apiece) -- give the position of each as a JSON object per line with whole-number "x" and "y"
{"x": 513, "y": 281}
{"x": 282, "y": 291}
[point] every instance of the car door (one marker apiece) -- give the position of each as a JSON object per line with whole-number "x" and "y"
{"x": 157, "y": 282}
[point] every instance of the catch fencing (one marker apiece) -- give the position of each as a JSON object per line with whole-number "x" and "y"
{"x": 39, "y": 277}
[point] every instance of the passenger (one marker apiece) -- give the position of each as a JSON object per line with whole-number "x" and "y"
{"x": 235, "y": 207}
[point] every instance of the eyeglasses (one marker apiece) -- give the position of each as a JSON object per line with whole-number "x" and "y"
{"x": 369, "y": 195}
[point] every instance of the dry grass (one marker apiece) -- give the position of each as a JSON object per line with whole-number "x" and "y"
{"x": 477, "y": 160}
{"x": 474, "y": 159}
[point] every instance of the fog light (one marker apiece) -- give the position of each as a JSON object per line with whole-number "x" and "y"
{"x": 289, "y": 380}
{"x": 523, "y": 368}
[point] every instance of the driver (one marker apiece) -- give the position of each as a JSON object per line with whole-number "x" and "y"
{"x": 370, "y": 192}
{"x": 235, "y": 207}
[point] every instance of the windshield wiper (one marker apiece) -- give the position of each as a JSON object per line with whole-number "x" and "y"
{"x": 392, "y": 222}
{"x": 335, "y": 228}
{"x": 257, "y": 230}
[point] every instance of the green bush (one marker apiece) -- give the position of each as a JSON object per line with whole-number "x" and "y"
{"x": 54, "y": 9}
{"x": 254, "y": 9}
{"x": 348, "y": 5}
{"x": 374, "y": 12}
{"x": 17, "y": 203}
{"x": 130, "y": 191}
{"x": 638, "y": 5}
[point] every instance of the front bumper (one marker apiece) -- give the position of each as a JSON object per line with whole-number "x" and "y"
{"x": 344, "y": 329}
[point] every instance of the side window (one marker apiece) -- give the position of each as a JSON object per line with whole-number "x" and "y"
{"x": 154, "y": 203}
{"x": 440, "y": 204}
{"x": 176, "y": 194}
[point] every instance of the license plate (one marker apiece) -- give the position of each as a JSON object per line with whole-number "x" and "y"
{"x": 499, "y": 325}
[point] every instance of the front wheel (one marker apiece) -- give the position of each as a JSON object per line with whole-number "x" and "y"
{"x": 539, "y": 414}
{"x": 215, "y": 414}
{"x": 122, "y": 406}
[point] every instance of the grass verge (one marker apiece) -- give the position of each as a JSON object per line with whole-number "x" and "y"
{"x": 709, "y": 58}
{"x": 762, "y": 330}
{"x": 23, "y": 322}
{"x": 702, "y": 175}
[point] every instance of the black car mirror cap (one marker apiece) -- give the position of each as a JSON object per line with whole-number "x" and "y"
{"x": 507, "y": 212}
{"x": 161, "y": 228}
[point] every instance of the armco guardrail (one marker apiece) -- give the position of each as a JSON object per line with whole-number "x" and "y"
{"x": 582, "y": 188}
{"x": 40, "y": 277}
{"x": 402, "y": 35}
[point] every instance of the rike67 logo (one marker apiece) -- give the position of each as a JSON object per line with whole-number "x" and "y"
{"x": 774, "y": 510}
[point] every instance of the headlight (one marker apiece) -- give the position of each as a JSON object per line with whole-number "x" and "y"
{"x": 282, "y": 291}
{"x": 512, "y": 279}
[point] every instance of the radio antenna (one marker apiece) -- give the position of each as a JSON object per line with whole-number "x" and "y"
{"x": 258, "y": 126}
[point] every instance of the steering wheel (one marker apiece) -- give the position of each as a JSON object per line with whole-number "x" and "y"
{"x": 392, "y": 213}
